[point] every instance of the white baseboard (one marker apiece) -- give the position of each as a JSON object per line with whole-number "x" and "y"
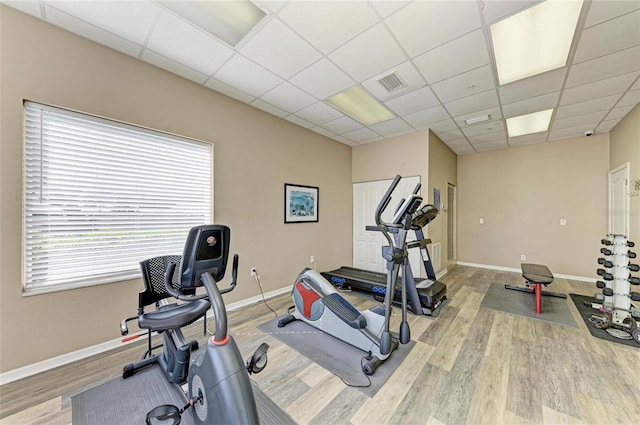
{"x": 510, "y": 269}
{"x": 43, "y": 366}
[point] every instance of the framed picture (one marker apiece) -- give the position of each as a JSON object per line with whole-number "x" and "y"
{"x": 300, "y": 203}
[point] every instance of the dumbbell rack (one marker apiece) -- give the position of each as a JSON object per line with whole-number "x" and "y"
{"x": 618, "y": 316}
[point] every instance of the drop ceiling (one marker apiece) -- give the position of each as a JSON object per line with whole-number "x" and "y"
{"x": 304, "y": 52}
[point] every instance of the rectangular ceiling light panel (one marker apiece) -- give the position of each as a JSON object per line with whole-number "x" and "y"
{"x": 361, "y": 106}
{"x": 529, "y": 123}
{"x": 535, "y": 40}
{"x": 229, "y": 21}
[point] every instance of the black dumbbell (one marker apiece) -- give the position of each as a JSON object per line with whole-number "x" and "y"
{"x": 631, "y": 254}
{"x": 634, "y": 296}
{"x": 605, "y": 251}
{"x": 600, "y": 284}
{"x": 630, "y": 244}
{"x": 608, "y": 264}
{"x": 604, "y": 274}
{"x": 606, "y": 242}
{"x": 634, "y": 280}
{"x": 608, "y": 292}
{"x": 633, "y": 267}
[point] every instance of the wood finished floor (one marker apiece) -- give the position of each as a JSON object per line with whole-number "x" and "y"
{"x": 470, "y": 366}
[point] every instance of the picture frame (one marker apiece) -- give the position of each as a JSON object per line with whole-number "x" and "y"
{"x": 301, "y": 203}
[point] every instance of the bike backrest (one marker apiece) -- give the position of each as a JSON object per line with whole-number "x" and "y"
{"x": 206, "y": 250}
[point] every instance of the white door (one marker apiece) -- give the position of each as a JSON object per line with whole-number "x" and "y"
{"x": 367, "y": 245}
{"x": 619, "y": 200}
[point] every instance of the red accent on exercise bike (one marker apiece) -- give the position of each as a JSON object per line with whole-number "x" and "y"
{"x": 221, "y": 342}
{"x": 308, "y": 298}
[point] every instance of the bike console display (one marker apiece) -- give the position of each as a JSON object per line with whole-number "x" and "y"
{"x": 206, "y": 250}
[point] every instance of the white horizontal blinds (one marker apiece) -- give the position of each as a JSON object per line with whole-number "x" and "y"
{"x": 101, "y": 196}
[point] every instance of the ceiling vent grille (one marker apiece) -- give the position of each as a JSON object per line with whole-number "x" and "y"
{"x": 392, "y": 82}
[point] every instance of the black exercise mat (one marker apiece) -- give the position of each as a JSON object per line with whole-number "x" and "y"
{"x": 334, "y": 355}
{"x": 554, "y": 310}
{"x": 127, "y": 401}
{"x": 586, "y": 311}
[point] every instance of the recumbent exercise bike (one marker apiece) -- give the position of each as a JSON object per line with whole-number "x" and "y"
{"x": 219, "y": 388}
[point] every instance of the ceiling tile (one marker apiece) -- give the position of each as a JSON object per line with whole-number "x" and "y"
{"x": 323, "y": 131}
{"x": 319, "y": 113}
{"x": 362, "y": 135}
{"x": 267, "y": 107}
{"x": 279, "y": 49}
{"x": 342, "y": 125}
{"x": 271, "y": 5}
{"x": 594, "y": 105}
{"x": 31, "y": 7}
{"x": 608, "y": 37}
{"x": 471, "y": 104}
{"x": 387, "y": 7}
{"x": 488, "y": 137}
{"x": 607, "y": 125}
{"x": 423, "y": 25}
{"x": 597, "y": 89}
{"x": 528, "y": 139}
{"x": 91, "y": 32}
{"x": 130, "y": 20}
{"x": 297, "y": 120}
{"x": 587, "y": 121}
{"x": 288, "y": 97}
{"x": 632, "y": 97}
{"x": 534, "y": 104}
{"x": 463, "y": 85}
{"x": 636, "y": 85}
{"x": 533, "y": 86}
{"x": 247, "y": 76}
{"x": 229, "y": 91}
{"x": 420, "y": 120}
{"x": 444, "y": 125}
{"x": 328, "y": 25}
{"x": 457, "y": 56}
{"x": 458, "y": 143}
{"x": 392, "y": 127}
{"x": 322, "y": 79}
{"x": 565, "y": 133}
{"x": 173, "y": 67}
{"x": 449, "y": 135}
{"x": 383, "y": 53}
{"x": 182, "y": 42}
{"x": 464, "y": 151}
{"x": 494, "y": 10}
{"x": 603, "y": 10}
{"x": 603, "y": 67}
{"x": 416, "y": 100}
{"x": 490, "y": 146}
{"x": 619, "y": 113}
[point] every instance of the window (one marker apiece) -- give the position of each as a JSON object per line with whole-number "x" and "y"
{"x": 100, "y": 196}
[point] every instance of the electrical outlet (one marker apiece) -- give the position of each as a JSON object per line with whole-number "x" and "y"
{"x": 312, "y": 259}
{"x": 523, "y": 257}
{"x": 254, "y": 272}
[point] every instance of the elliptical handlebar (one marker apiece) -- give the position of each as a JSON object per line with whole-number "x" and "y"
{"x": 384, "y": 202}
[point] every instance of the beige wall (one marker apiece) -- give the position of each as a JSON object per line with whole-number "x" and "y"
{"x": 405, "y": 155}
{"x": 522, "y": 193}
{"x": 255, "y": 154}
{"x": 625, "y": 147}
{"x": 443, "y": 170}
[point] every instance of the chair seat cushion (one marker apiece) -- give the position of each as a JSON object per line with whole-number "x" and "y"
{"x": 175, "y": 317}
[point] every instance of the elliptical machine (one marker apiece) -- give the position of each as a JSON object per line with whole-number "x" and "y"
{"x": 219, "y": 389}
{"x": 317, "y": 303}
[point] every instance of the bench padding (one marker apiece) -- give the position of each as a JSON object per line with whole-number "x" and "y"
{"x": 537, "y": 273}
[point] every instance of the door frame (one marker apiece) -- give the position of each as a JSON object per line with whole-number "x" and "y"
{"x": 611, "y": 210}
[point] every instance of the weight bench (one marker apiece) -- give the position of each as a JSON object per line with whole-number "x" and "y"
{"x": 535, "y": 276}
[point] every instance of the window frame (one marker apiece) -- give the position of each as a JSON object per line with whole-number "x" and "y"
{"x": 132, "y": 272}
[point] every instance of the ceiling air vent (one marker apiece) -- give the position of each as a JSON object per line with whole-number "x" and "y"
{"x": 392, "y": 82}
